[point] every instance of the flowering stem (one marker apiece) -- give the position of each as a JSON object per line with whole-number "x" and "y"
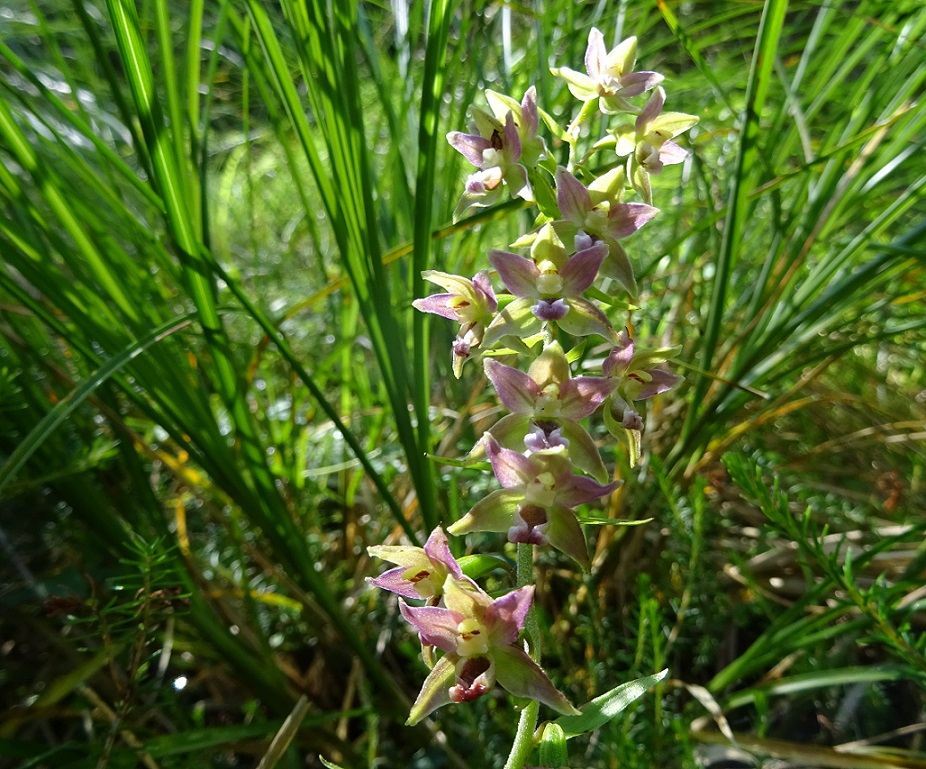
{"x": 524, "y": 737}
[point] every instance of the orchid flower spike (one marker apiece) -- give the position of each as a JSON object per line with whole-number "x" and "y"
{"x": 479, "y": 638}
{"x": 610, "y": 77}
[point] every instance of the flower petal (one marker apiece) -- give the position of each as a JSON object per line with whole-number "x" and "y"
{"x": 626, "y": 218}
{"x": 596, "y": 54}
{"x": 582, "y": 395}
{"x": 469, "y": 146}
{"x": 521, "y": 676}
{"x": 435, "y": 692}
{"x": 582, "y": 490}
{"x": 581, "y": 270}
{"x": 618, "y": 361}
{"x": 438, "y": 304}
{"x": 637, "y": 82}
{"x": 511, "y": 468}
{"x": 505, "y": 616}
{"x": 572, "y": 197}
{"x": 394, "y": 582}
{"x": 436, "y": 626}
{"x": 518, "y": 273}
{"x": 516, "y": 390}
{"x": 438, "y": 551}
{"x": 660, "y": 382}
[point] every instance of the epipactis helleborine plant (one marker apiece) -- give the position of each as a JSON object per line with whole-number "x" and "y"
{"x": 545, "y": 460}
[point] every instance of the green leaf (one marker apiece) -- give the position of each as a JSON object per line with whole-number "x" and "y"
{"x": 596, "y": 521}
{"x": 610, "y": 704}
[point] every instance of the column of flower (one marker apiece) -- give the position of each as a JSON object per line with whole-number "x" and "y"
{"x": 544, "y": 459}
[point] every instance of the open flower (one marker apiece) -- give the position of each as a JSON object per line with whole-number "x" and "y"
{"x": 547, "y": 403}
{"x": 421, "y": 572}
{"x": 506, "y": 140}
{"x": 535, "y": 505}
{"x": 610, "y": 77}
{"x": 647, "y": 142}
{"x": 479, "y": 638}
{"x": 599, "y": 211}
{"x": 471, "y": 302}
{"x": 638, "y": 377}
{"x": 549, "y": 288}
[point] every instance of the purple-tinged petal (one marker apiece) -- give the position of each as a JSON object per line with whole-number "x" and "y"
{"x": 637, "y": 82}
{"x": 596, "y": 54}
{"x": 584, "y": 319}
{"x": 671, "y": 154}
{"x": 438, "y": 551}
{"x": 521, "y": 676}
{"x": 583, "y": 452}
{"x": 516, "y": 390}
{"x": 484, "y": 290}
{"x": 540, "y": 437}
{"x": 582, "y": 490}
{"x": 469, "y": 146}
{"x": 660, "y": 382}
{"x": 511, "y": 468}
{"x": 436, "y": 626}
{"x": 484, "y": 182}
{"x": 438, "y": 304}
{"x": 530, "y": 117}
{"x": 626, "y": 218}
{"x": 512, "y": 147}
{"x": 572, "y": 197}
{"x": 581, "y": 270}
{"x": 505, "y": 616}
{"x": 619, "y": 359}
{"x": 435, "y": 692}
{"x": 583, "y": 240}
{"x": 632, "y": 420}
{"x": 582, "y": 395}
{"x": 652, "y": 109}
{"x": 565, "y": 534}
{"x": 546, "y": 310}
{"x": 492, "y": 513}
{"x": 518, "y": 273}
{"x": 394, "y": 582}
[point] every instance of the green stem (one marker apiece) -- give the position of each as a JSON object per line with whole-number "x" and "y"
{"x": 524, "y": 736}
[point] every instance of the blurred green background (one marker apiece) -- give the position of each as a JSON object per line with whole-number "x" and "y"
{"x": 214, "y": 394}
